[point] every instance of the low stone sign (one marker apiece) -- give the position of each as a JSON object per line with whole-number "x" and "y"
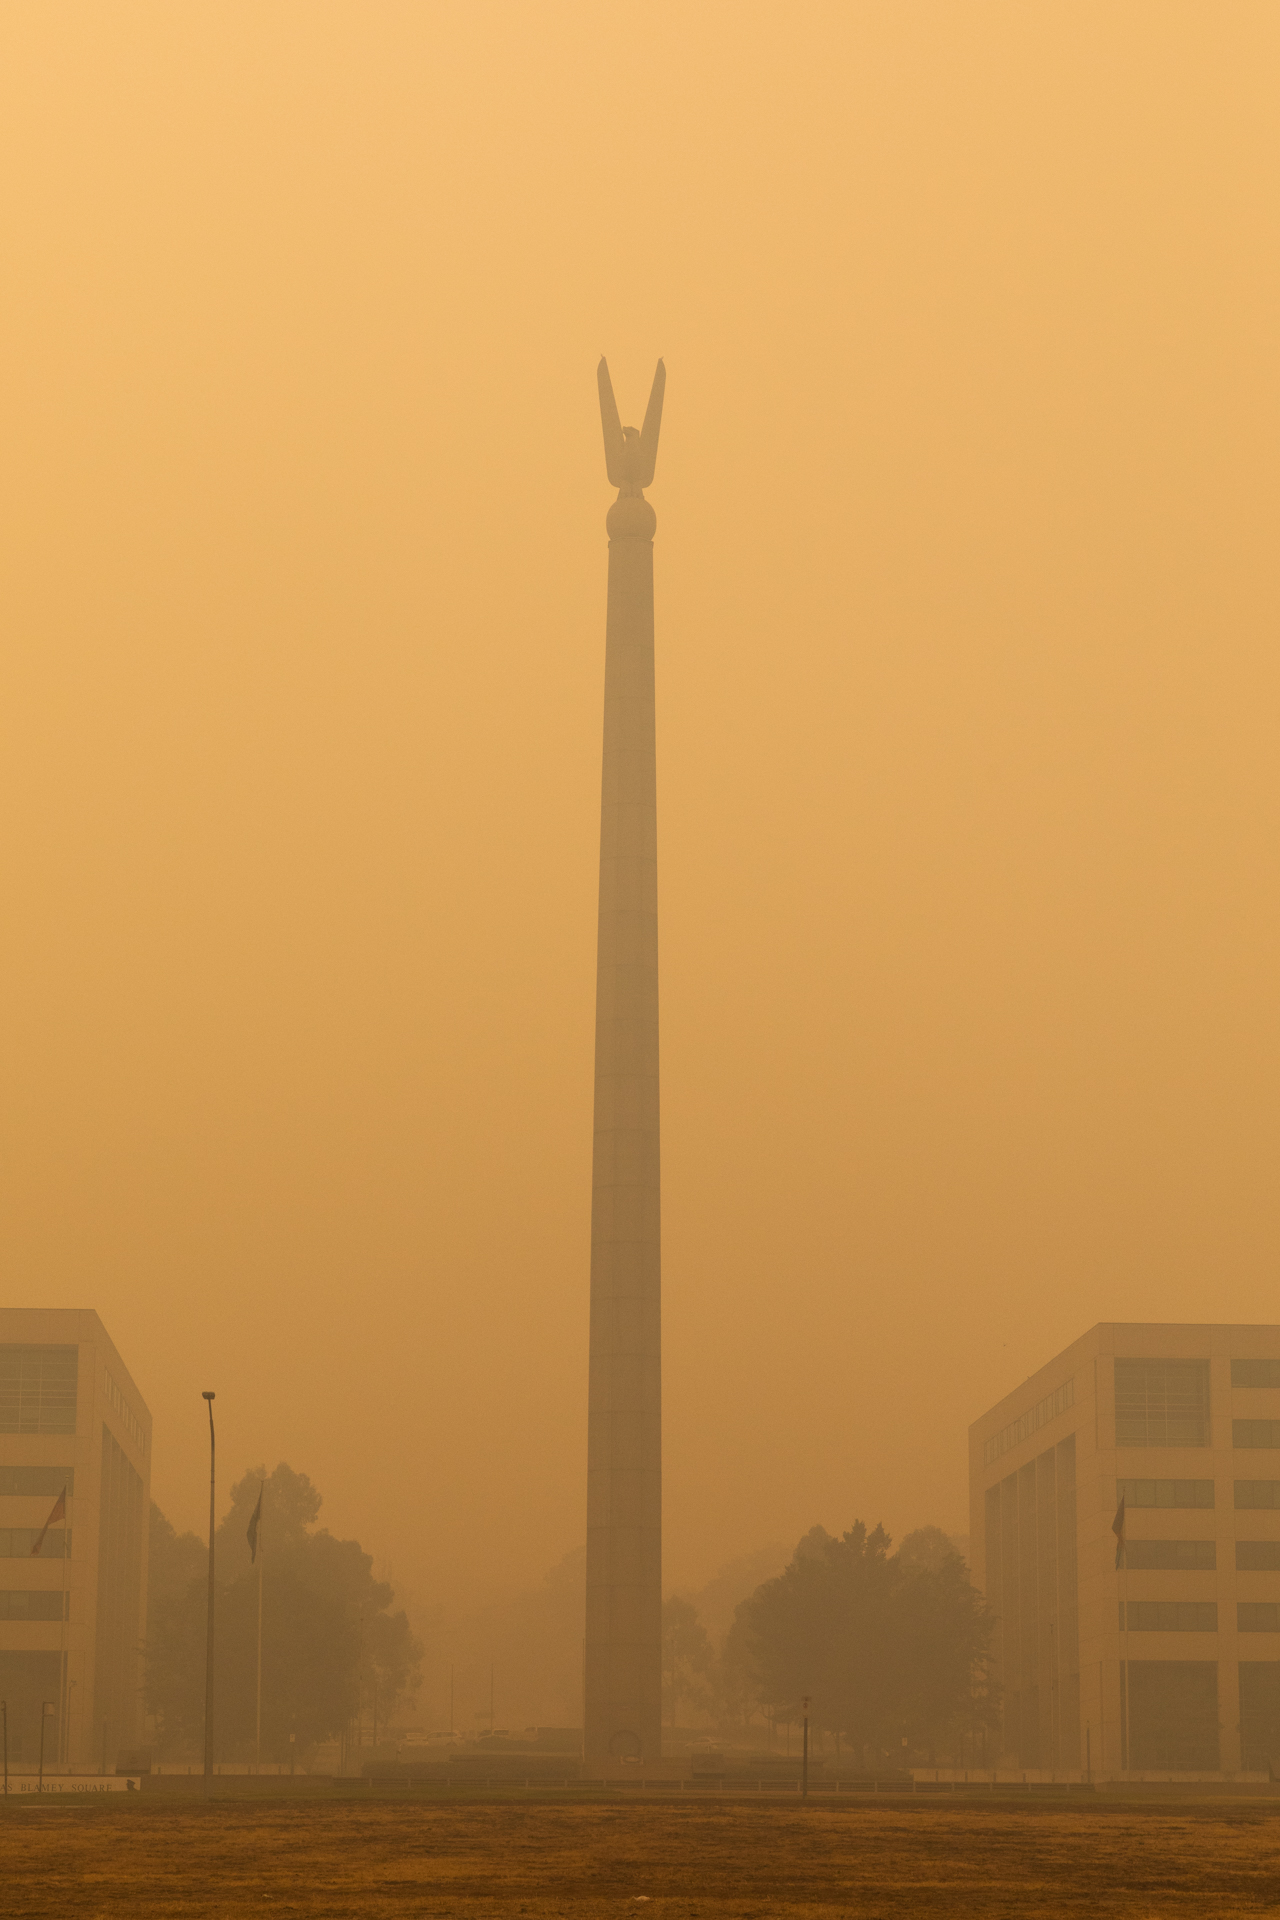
{"x": 73, "y": 1783}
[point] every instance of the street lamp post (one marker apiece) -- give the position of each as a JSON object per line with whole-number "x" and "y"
{"x": 804, "y": 1764}
{"x": 208, "y": 1643}
{"x": 47, "y": 1709}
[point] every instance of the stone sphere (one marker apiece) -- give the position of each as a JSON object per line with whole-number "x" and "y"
{"x": 631, "y": 518}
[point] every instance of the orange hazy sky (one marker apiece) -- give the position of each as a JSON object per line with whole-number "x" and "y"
{"x": 969, "y": 791}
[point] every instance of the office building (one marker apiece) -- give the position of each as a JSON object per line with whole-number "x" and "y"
{"x": 72, "y": 1583}
{"x": 1171, "y": 1660}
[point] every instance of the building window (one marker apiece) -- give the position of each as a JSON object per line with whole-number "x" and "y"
{"x": 1171, "y": 1616}
{"x": 1255, "y": 1373}
{"x": 1166, "y": 1493}
{"x": 1181, "y": 1556}
{"x": 1258, "y": 1556}
{"x": 1162, "y": 1403}
{"x": 1171, "y": 1714}
{"x": 1258, "y": 1493}
{"x": 1030, "y": 1422}
{"x": 38, "y": 1389}
{"x": 16, "y": 1543}
{"x": 1255, "y": 1433}
{"x": 1257, "y": 1616}
{"x": 125, "y": 1413}
{"x": 33, "y": 1606}
{"x": 1259, "y": 1713}
{"x": 47, "y": 1481}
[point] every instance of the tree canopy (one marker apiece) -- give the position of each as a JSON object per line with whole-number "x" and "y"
{"x": 330, "y": 1642}
{"x": 889, "y": 1648}
{"x": 687, "y": 1660}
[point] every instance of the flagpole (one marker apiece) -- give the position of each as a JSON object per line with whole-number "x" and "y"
{"x": 208, "y": 1631}
{"x": 62, "y": 1645}
{"x": 1122, "y": 1566}
{"x": 258, "y": 1744}
{"x": 1128, "y": 1744}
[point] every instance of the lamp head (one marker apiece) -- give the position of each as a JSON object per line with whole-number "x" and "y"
{"x": 208, "y": 1396}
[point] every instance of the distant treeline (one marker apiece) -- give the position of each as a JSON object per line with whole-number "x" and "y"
{"x": 331, "y": 1646}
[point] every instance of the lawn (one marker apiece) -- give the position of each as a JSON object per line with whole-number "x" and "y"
{"x": 148, "y": 1857}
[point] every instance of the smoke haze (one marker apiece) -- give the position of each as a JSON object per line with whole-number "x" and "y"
{"x": 967, "y": 676}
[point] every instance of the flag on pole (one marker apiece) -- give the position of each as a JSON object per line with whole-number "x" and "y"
{"x": 252, "y": 1535}
{"x": 1117, "y": 1527}
{"x": 59, "y": 1513}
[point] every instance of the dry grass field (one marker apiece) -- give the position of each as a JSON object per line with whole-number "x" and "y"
{"x": 711, "y": 1860}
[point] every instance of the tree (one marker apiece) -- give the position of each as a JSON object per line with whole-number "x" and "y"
{"x": 177, "y": 1582}
{"x": 174, "y": 1560}
{"x": 328, "y": 1637}
{"x": 943, "y": 1632}
{"x": 735, "y": 1692}
{"x": 887, "y": 1647}
{"x": 290, "y": 1508}
{"x": 927, "y": 1547}
{"x": 686, "y": 1659}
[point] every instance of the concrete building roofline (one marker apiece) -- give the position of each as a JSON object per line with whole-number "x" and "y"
{"x": 71, "y": 1326}
{"x": 1186, "y": 1326}
{"x": 1136, "y": 1339}
{"x": 1043, "y": 1381}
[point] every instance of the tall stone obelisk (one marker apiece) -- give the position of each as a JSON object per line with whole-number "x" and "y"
{"x": 623, "y": 1681}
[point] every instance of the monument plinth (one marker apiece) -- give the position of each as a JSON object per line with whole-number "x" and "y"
{"x": 623, "y": 1679}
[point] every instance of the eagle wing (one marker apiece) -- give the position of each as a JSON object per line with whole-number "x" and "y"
{"x": 652, "y": 426}
{"x": 613, "y": 442}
